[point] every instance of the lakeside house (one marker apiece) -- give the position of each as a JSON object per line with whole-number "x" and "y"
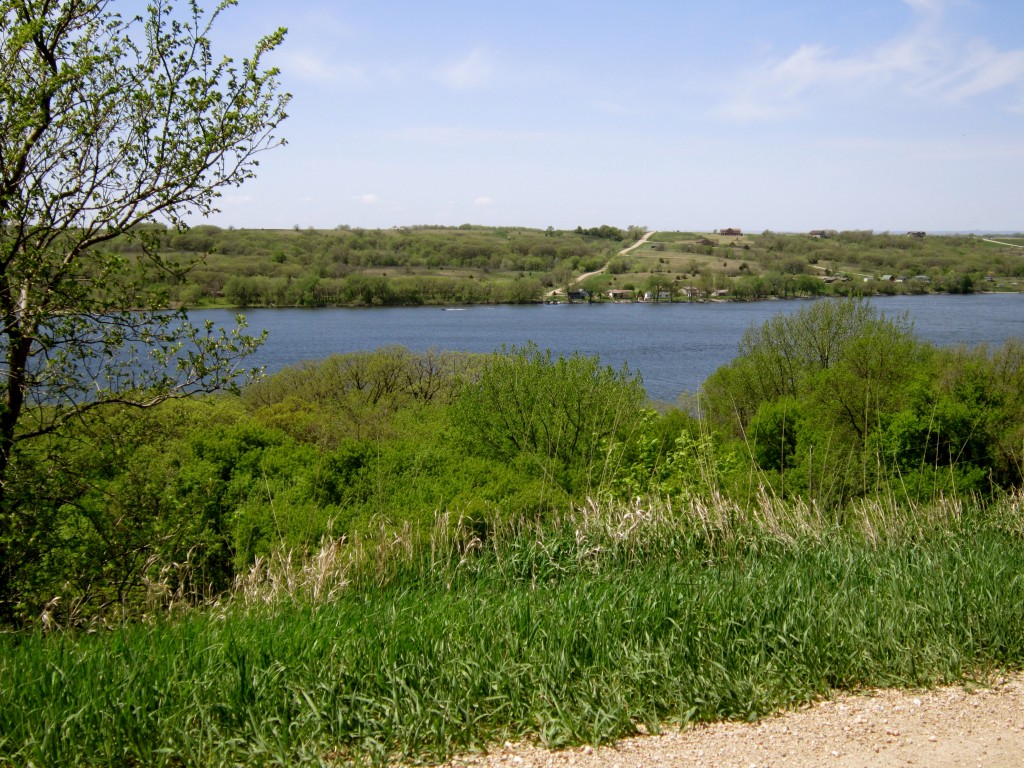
{"x": 662, "y": 295}
{"x": 618, "y": 294}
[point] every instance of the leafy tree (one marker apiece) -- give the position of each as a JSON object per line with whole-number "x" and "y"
{"x": 355, "y": 395}
{"x": 123, "y": 514}
{"x": 635, "y": 231}
{"x": 554, "y": 417}
{"x": 659, "y": 284}
{"x": 808, "y": 390}
{"x": 106, "y": 124}
{"x": 786, "y": 355}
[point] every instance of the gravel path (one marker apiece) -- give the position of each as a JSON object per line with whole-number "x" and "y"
{"x": 938, "y": 728}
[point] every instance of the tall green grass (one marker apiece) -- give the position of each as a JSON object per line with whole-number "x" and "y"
{"x": 577, "y": 631}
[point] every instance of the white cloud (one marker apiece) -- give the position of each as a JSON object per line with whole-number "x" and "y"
{"x": 984, "y": 70}
{"x": 483, "y": 202}
{"x": 928, "y": 62}
{"x": 369, "y": 199}
{"x": 320, "y": 68}
{"x": 472, "y": 71}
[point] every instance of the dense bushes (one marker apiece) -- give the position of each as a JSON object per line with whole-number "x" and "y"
{"x": 127, "y": 511}
{"x": 838, "y": 401}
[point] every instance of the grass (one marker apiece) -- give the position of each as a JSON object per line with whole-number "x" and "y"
{"x": 580, "y": 630}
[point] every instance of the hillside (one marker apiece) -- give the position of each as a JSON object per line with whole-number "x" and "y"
{"x": 472, "y": 264}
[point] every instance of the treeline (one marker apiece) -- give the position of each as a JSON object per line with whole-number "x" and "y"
{"x": 408, "y": 265}
{"x": 829, "y": 407}
{"x": 375, "y": 290}
{"x": 837, "y": 402}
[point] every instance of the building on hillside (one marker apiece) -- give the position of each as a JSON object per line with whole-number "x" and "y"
{"x": 730, "y": 232}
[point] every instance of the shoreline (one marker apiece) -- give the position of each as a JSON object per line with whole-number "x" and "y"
{"x": 717, "y": 300}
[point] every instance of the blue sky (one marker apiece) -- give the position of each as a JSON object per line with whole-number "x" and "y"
{"x": 762, "y": 114}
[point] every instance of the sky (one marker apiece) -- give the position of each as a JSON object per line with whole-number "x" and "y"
{"x": 788, "y": 115}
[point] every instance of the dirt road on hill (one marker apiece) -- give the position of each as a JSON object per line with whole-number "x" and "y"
{"x": 585, "y": 275}
{"x": 941, "y": 728}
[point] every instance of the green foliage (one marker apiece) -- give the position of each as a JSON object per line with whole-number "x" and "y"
{"x": 836, "y": 402}
{"x": 354, "y": 395}
{"x": 773, "y": 433}
{"x": 407, "y": 266}
{"x": 109, "y": 125}
{"x": 669, "y": 456}
{"x": 820, "y": 348}
{"x": 605, "y": 231}
{"x": 553, "y": 416}
{"x": 124, "y": 512}
{"x": 112, "y": 519}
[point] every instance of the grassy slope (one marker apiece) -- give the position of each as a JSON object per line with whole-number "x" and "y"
{"x": 577, "y": 632}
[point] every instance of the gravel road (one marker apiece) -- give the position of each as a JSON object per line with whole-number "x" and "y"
{"x": 938, "y": 728}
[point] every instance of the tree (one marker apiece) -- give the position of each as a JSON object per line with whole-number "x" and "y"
{"x": 657, "y": 285}
{"x": 787, "y": 355}
{"x": 107, "y": 125}
{"x": 635, "y": 232}
{"x": 556, "y": 417}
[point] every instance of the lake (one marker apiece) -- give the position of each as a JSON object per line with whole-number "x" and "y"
{"x": 674, "y": 346}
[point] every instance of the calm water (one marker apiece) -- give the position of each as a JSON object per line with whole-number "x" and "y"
{"x": 674, "y": 346}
